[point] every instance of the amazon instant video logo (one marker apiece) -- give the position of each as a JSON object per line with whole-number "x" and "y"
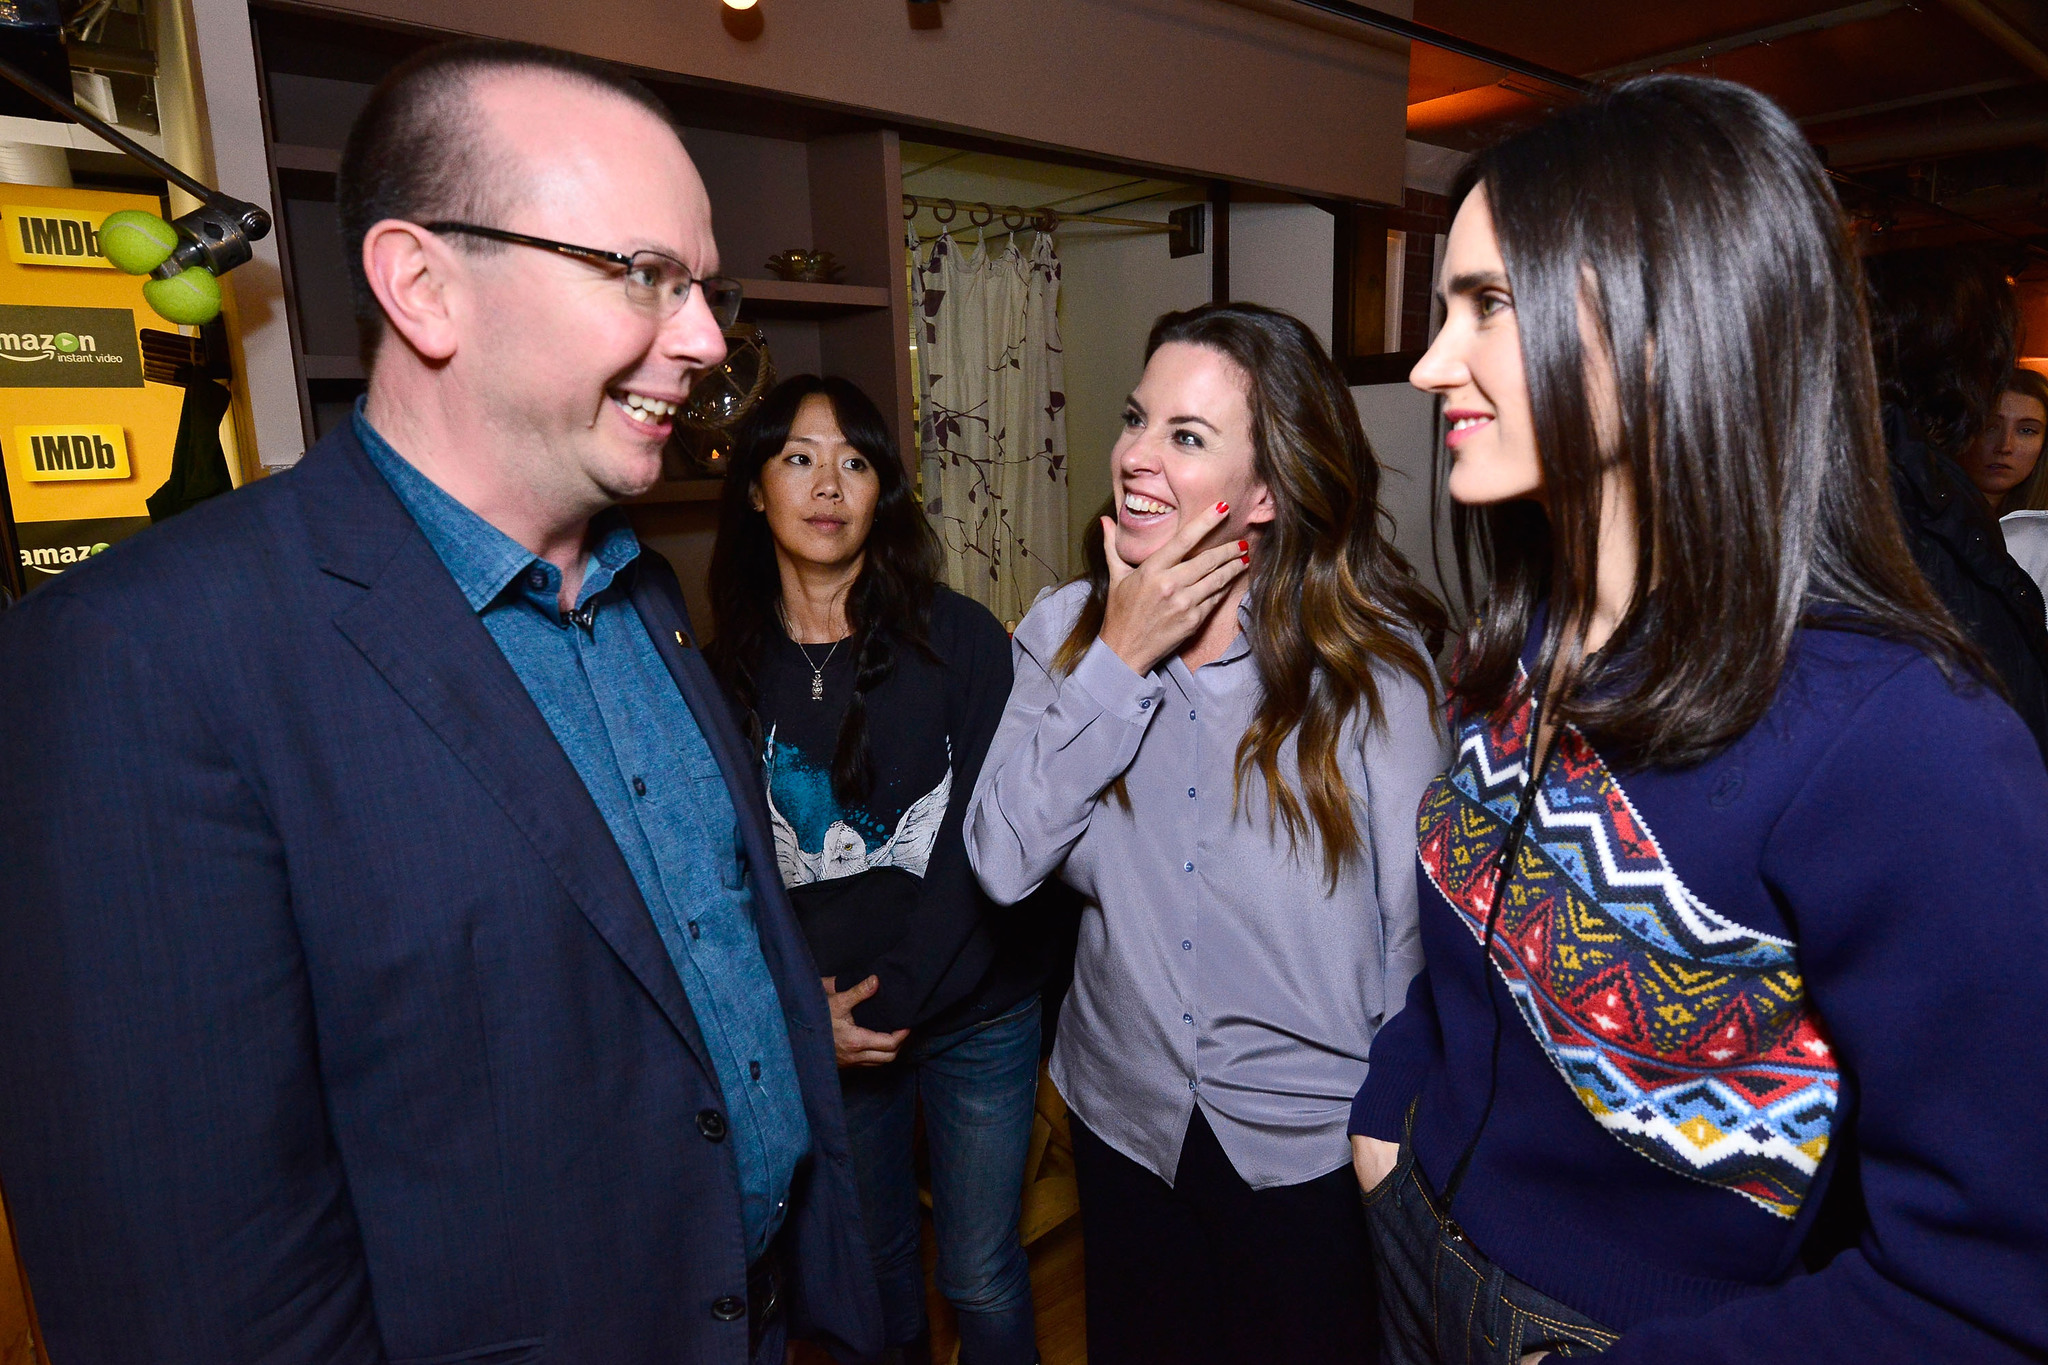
{"x": 26, "y": 347}
{"x": 68, "y": 348}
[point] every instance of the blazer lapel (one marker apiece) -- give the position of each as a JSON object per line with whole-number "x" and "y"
{"x": 414, "y": 627}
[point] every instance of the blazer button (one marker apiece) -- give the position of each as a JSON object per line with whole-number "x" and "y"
{"x": 711, "y": 1124}
{"x": 731, "y": 1308}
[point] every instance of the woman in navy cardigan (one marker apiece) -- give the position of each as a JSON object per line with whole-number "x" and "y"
{"x": 1728, "y": 1046}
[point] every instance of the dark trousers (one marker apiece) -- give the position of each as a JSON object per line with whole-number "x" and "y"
{"x": 1208, "y": 1269}
{"x": 1442, "y": 1302}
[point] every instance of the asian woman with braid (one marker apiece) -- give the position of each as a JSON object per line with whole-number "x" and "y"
{"x": 1728, "y": 1046}
{"x": 872, "y": 691}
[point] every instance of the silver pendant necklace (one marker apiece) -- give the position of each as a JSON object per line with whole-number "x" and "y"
{"x": 817, "y": 669}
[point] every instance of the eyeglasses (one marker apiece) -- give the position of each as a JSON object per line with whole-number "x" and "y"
{"x": 655, "y": 280}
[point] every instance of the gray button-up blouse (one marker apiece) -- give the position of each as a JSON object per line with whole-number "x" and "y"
{"x": 1216, "y": 966}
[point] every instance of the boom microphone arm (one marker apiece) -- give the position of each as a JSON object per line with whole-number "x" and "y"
{"x": 214, "y": 238}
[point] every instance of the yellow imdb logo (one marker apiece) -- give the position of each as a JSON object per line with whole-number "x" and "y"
{"x": 71, "y": 452}
{"x": 53, "y": 236}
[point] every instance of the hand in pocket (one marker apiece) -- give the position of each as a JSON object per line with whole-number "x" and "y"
{"x": 1373, "y": 1160}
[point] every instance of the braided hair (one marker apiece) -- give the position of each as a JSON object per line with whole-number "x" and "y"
{"x": 889, "y": 605}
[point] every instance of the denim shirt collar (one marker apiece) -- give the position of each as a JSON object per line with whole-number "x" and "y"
{"x": 483, "y": 560}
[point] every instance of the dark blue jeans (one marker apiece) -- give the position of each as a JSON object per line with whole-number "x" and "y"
{"x": 1442, "y": 1302}
{"x": 980, "y": 1087}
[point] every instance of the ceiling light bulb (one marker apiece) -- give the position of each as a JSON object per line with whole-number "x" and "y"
{"x": 741, "y": 4}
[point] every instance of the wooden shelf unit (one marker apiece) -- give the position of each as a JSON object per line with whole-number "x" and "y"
{"x": 802, "y": 299}
{"x": 288, "y": 156}
{"x": 331, "y": 367}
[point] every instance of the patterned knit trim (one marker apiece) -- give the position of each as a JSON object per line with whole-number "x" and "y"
{"x": 1687, "y": 1036}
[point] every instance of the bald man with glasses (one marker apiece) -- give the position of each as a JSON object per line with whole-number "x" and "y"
{"x": 403, "y": 974}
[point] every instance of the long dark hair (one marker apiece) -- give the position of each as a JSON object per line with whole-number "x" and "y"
{"x": 890, "y": 602}
{"x": 1944, "y": 323}
{"x": 1694, "y": 224}
{"x": 1330, "y": 595}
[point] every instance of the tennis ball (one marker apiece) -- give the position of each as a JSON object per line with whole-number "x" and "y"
{"x": 65, "y": 342}
{"x": 189, "y": 297}
{"x": 137, "y": 242}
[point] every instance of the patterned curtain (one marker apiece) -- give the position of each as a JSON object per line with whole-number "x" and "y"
{"x": 993, "y": 426}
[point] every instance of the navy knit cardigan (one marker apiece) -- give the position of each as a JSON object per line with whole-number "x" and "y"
{"x": 1817, "y": 962}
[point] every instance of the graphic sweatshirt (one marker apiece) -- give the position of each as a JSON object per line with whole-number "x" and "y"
{"x": 881, "y": 884}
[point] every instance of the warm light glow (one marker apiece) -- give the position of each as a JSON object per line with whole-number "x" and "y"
{"x": 741, "y": 4}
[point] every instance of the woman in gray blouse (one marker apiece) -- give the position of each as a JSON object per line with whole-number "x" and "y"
{"x": 1220, "y": 740}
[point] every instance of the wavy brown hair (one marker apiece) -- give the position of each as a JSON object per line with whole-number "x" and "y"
{"x": 1330, "y": 595}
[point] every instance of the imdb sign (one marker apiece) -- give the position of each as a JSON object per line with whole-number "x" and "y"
{"x": 39, "y": 236}
{"x": 70, "y": 452}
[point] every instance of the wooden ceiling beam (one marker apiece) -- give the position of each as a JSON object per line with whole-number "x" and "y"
{"x": 2018, "y": 45}
{"x": 1933, "y": 143}
{"x": 1719, "y": 47}
{"x": 1892, "y": 106}
{"x": 1449, "y": 42}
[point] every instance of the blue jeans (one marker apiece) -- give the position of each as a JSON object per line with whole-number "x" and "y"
{"x": 1444, "y": 1303}
{"x": 980, "y": 1087}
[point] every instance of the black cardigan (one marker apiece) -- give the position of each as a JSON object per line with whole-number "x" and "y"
{"x": 946, "y": 956}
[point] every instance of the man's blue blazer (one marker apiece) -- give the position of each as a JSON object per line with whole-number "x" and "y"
{"x": 333, "y": 1027}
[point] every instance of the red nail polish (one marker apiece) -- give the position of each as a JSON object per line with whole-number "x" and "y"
{"x": 1244, "y": 546}
{"x": 1222, "y": 507}
{"x": 1246, "y": 558}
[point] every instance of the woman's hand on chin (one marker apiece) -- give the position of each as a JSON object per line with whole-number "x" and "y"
{"x": 1155, "y": 607}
